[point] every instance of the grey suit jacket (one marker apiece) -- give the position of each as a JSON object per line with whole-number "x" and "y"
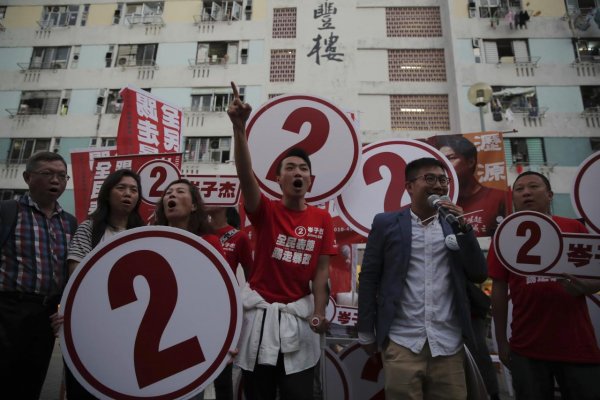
{"x": 385, "y": 265}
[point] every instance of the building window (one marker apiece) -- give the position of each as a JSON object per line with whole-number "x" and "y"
{"x": 59, "y": 16}
{"x": 49, "y": 57}
{"x": 137, "y": 55}
{"x": 417, "y": 65}
{"x": 587, "y": 50}
{"x": 420, "y": 112}
{"x": 103, "y": 142}
{"x": 590, "y": 95}
{"x": 283, "y": 66}
{"x": 413, "y": 22}
{"x": 221, "y": 10}
{"x": 2, "y": 12}
{"x": 11, "y": 194}
{"x": 581, "y": 5}
{"x": 213, "y": 99}
{"x": 497, "y": 8}
{"x": 284, "y": 23}
{"x": 39, "y": 102}
{"x": 22, "y": 149}
{"x": 525, "y": 151}
{"x": 144, "y": 13}
{"x": 207, "y": 149}
{"x": 217, "y": 53}
{"x": 520, "y": 100}
{"x": 506, "y": 51}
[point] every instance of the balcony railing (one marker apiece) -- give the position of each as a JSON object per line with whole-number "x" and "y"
{"x": 214, "y": 60}
{"x": 531, "y": 112}
{"x": 13, "y": 112}
{"x": 126, "y": 62}
{"x": 43, "y": 65}
{"x": 199, "y": 109}
{"x": 591, "y": 112}
{"x": 528, "y": 61}
{"x": 148, "y": 19}
{"x": 2, "y": 28}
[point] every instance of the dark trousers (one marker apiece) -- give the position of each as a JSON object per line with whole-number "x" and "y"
{"x": 482, "y": 357}
{"x": 534, "y": 379}
{"x": 224, "y": 384}
{"x": 265, "y": 380}
{"x": 26, "y": 344}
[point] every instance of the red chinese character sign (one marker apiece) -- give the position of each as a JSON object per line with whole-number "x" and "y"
{"x": 319, "y": 127}
{"x": 530, "y": 243}
{"x": 148, "y": 125}
{"x": 585, "y": 191}
{"x": 141, "y": 323}
{"x": 82, "y": 163}
{"x": 217, "y": 190}
{"x": 379, "y": 185}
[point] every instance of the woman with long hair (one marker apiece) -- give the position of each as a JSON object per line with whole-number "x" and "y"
{"x": 117, "y": 210}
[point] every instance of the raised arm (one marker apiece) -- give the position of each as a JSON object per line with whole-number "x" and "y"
{"x": 239, "y": 112}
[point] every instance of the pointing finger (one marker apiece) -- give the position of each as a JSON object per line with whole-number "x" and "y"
{"x": 236, "y": 94}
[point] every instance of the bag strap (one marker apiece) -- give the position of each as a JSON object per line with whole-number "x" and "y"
{"x": 8, "y": 219}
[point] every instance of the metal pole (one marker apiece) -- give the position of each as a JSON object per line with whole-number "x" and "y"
{"x": 481, "y": 119}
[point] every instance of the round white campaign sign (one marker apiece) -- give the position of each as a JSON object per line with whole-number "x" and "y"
{"x": 528, "y": 242}
{"x": 379, "y": 186}
{"x": 152, "y": 312}
{"x": 313, "y": 124}
{"x": 585, "y": 191}
{"x": 155, "y": 176}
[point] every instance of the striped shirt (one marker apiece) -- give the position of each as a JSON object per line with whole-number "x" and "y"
{"x": 81, "y": 244}
{"x": 33, "y": 259}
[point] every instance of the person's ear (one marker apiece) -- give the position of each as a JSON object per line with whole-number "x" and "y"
{"x": 26, "y": 176}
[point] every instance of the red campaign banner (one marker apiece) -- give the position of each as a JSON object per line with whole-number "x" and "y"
{"x": 82, "y": 162}
{"x": 148, "y": 125}
{"x": 217, "y": 190}
{"x": 156, "y": 171}
{"x": 480, "y": 165}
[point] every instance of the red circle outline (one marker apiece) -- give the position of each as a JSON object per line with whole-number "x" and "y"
{"x": 334, "y": 361}
{"x": 127, "y": 237}
{"x": 586, "y": 165}
{"x": 520, "y": 214}
{"x": 153, "y": 203}
{"x": 355, "y": 141}
{"x": 357, "y": 226}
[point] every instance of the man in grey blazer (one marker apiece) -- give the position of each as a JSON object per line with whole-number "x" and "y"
{"x": 412, "y": 300}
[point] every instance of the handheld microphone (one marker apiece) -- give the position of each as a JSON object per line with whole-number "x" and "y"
{"x": 434, "y": 201}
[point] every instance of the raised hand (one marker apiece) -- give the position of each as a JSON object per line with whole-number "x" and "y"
{"x": 238, "y": 111}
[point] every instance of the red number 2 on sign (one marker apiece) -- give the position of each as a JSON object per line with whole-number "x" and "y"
{"x": 152, "y": 364}
{"x": 161, "y": 173}
{"x": 396, "y": 165}
{"x": 523, "y": 257}
{"x": 317, "y": 137}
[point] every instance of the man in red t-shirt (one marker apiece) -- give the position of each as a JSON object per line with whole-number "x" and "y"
{"x": 294, "y": 241}
{"x": 552, "y": 335}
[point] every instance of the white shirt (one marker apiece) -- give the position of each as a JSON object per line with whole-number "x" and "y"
{"x": 427, "y": 310}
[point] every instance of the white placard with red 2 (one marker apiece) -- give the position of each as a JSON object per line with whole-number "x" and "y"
{"x": 335, "y": 383}
{"x": 379, "y": 186}
{"x": 150, "y": 313}
{"x": 365, "y": 373}
{"x": 316, "y": 125}
{"x": 585, "y": 191}
{"x": 531, "y": 243}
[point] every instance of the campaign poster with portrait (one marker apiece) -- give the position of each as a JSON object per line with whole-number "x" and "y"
{"x": 480, "y": 165}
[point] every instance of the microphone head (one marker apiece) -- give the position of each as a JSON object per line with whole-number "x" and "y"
{"x": 446, "y": 198}
{"x": 433, "y": 199}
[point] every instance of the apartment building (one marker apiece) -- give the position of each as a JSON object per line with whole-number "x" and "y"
{"x": 403, "y": 67}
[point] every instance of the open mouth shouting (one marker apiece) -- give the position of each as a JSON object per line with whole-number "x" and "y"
{"x": 298, "y": 183}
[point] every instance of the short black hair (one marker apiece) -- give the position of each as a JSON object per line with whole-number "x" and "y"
{"x": 459, "y": 144}
{"x": 32, "y": 162}
{"x": 410, "y": 173}
{"x": 542, "y": 177}
{"x": 294, "y": 152}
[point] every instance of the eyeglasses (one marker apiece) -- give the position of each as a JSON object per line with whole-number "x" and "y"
{"x": 61, "y": 176}
{"x": 430, "y": 179}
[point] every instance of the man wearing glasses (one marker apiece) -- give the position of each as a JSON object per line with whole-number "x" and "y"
{"x": 412, "y": 302}
{"x": 34, "y": 235}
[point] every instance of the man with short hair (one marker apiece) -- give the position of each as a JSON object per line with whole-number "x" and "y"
{"x": 33, "y": 274}
{"x": 412, "y": 301}
{"x": 552, "y": 335}
{"x": 277, "y": 349}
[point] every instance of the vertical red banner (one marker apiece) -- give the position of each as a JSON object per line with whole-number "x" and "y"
{"x": 82, "y": 162}
{"x": 148, "y": 125}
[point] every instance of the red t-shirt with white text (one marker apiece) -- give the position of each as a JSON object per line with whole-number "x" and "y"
{"x": 548, "y": 323}
{"x": 288, "y": 246}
